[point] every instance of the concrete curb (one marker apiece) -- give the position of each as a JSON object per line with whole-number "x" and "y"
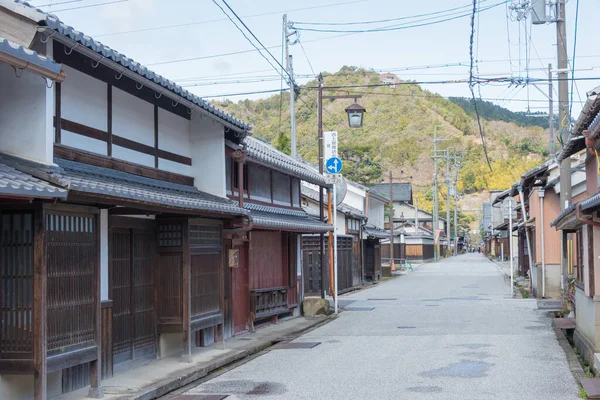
{"x": 572, "y": 359}
{"x": 194, "y": 373}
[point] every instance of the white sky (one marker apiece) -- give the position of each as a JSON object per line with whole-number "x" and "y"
{"x": 445, "y": 43}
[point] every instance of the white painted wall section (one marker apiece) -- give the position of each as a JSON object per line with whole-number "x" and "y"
{"x": 207, "y": 147}
{"x": 25, "y": 127}
{"x": 133, "y": 118}
{"x": 132, "y": 156}
{"x": 174, "y": 136}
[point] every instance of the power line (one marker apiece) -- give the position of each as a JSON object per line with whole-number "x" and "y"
{"x": 307, "y": 60}
{"x": 51, "y": 4}
{"x": 247, "y": 38}
{"x": 399, "y": 26}
{"x": 155, "y": 28}
{"x": 91, "y": 5}
{"x": 383, "y": 20}
{"x": 244, "y": 93}
{"x": 471, "y": 84}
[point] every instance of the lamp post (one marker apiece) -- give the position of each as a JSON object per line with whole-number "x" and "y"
{"x": 355, "y": 120}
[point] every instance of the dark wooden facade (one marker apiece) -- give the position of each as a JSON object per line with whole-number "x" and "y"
{"x": 372, "y": 259}
{"x": 349, "y": 274}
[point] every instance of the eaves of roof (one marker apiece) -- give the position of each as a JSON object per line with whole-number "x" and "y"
{"x": 375, "y": 233}
{"x": 343, "y": 208}
{"x": 264, "y": 153}
{"x": 115, "y": 60}
{"x": 15, "y": 183}
{"x": 29, "y": 57}
{"x": 285, "y": 219}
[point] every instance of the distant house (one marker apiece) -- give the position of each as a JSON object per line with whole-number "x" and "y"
{"x": 389, "y": 79}
{"x": 401, "y": 191}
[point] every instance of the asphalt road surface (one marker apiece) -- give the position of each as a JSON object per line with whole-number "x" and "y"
{"x": 448, "y": 330}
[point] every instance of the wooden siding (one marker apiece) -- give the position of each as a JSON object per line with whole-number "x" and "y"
{"x": 170, "y": 272}
{"x": 107, "y": 340}
{"x": 205, "y": 284}
{"x": 72, "y": 261}
{"x": 348, "y": 272}
{"x": 16, "y": 285}
{"x": 265, "y": 269}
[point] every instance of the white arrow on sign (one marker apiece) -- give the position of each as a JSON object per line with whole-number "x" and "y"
{"x": 334, "y": 167}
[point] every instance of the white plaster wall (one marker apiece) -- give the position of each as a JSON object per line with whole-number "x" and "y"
{"x": 133, "y": 118}
{"x": 586, "y": 316}
{"x": 376, "y": 213}
{"x": 26, "y": 114}
{"x": 355, "y": 197}
{"x": 207, "y": 149}
{"x": 174, "y": 136}
{"x": 104, "y": 295}
{"x": 132, "y": 156}
{"x": 21, "y": 386}
{"x": 340, "y": 223}
{"x": 84, "y": 99}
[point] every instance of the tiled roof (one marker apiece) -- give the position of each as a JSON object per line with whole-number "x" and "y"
{"x": 591, "y": 204}
{"x": 343, "y": 208}
{"x": 119, "y": 185}
{"x": 376, "y": 233}
{"x": 587, "y": 118}
{"x": 285, "y": 219}
{"x": 401, "y": 191}
{"x": 105, "y": 52}
{"x": 20, "y": 184}
{"x": 264, "y": 153}
{"x": 564, "y": 214}
{"x": 29, "y": 56}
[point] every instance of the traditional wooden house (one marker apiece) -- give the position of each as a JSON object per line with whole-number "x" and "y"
{"x": 373, "y": 232}
{"x": 582, "y": 219}
{"x": 351, "y": 217}
{"x": 126, "y": 263}
{"x": 266, "y": 279}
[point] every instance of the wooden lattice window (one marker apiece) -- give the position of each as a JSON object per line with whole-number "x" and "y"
{"x": 72, "y": 263}
{"x": 206, "y": 260}
{"x": 170, "y": 235}
{"x": 16, "y": 285}
{"x": 205, "y": 236}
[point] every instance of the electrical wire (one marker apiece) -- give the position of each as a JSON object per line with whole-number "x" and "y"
{"x": 248, "y": 39}
{"x": 52, "y": 3}
{"x": 574, "y": 52}
{"x": 91, "y": 5}
{"x": 255, "y": 38}
{"x": 307, "y": 60}
{"x": 383, "y": 20}
{"x": 472, "y": 84}
{"x": 424, "y": 22}
{"x": 155, "y": 28}
{"x": 243, "y": 93}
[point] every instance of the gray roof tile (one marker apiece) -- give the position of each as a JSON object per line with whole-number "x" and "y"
{"x": 29, "y": 56}
{"x": 263, "y": 152}
{"x": 285, "y": 219}
{"x": 401, "y": 191}
{"x": 54, "y": 23}
{"x": 123, "y": 186}
{"x": 16, "y": 183}
{"x": 343, "y": 208}
{"x": 376, "y": 233}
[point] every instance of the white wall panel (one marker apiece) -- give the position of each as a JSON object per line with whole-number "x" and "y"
{"x": 25, "y": 115}
{"x": 84, "y": 100}
{"x": 207, "y": 147}
{"x": 132, "y": 118}
{"x": 133, "y": 156}
{"x": 83, "y": 142}
{"x": 175, "y": 167}
{"x": 173, "y": 133}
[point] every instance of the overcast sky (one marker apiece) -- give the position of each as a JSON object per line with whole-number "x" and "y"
{"x": 202, "y": 30}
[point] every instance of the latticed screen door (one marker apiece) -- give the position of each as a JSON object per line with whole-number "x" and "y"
{"x": 134, "y": 321}
{"x": 16, "y": 285}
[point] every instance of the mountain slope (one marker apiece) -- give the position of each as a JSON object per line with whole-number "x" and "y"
{"x": 398, "y": 132}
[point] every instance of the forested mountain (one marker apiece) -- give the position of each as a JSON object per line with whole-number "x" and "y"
{"x": 398, "y": 132}
{"x": 493, "y": 112}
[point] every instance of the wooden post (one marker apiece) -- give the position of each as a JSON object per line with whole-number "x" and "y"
{"x": 187, "y": 295}
{"x": 96, "y": 391}
{"x": 39, "y": 308}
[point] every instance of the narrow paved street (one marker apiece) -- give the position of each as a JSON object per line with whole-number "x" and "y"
{"x": 445, "y": 331}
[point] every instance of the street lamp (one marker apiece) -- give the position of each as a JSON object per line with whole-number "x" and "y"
{"x": 355, "y": 115}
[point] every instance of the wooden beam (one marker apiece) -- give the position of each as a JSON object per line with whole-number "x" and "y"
{"x": 40, "y": 365}
{"x": 155, "y": 136}
{"x": 96, "y": 391}
{"x": 57, "y": 112}
{"x": 187, "y": 291}
{"x": 72, "y": 358}
{"x": 109, "y": 119}
{"x": 72, "y": 154}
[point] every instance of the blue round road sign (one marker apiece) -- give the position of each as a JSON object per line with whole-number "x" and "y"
{"x": 334, "y": 165}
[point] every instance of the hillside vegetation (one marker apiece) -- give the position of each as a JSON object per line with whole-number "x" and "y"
{"x": 398, "y": 133}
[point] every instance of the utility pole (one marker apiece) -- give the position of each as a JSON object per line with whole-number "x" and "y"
{"x": 448, "y": 201}
{"x": 563, "y": 117}
{"x": 291, "y": 83}
{"x": 551, "y": 112}
{"x": 391, "y": 219}
{"x": 321, "y": 205}
{"x": 455, "y": 176}
{"x": 435, "y": 192}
